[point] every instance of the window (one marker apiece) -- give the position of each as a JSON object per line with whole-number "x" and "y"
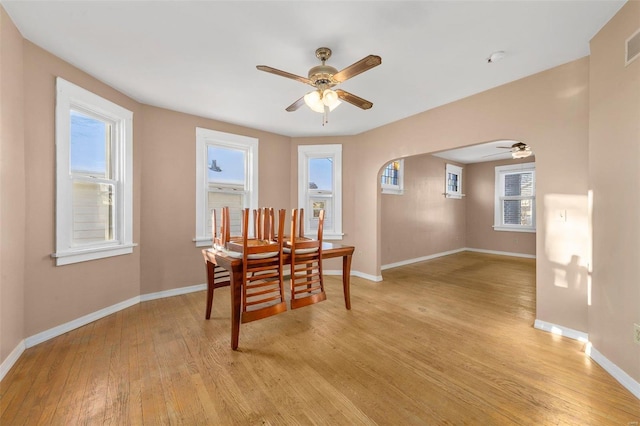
{"x": 94, "y": 176}
{"x": 320, "y": 187}
{"x": 226, "y": 175}
{"x": 392, "y": 179}
{"x": 515, "y": 198}
{"x": 453, "y": 176}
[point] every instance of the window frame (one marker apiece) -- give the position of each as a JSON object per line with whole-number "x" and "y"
{"x": 306, "y": 152}
{"x": 455, "y": 170}
{"x": 387, "y": 188}
{"x": 70, "y": 96}
{"x": 499, "y": 197}
{"x": 204, "y": 139}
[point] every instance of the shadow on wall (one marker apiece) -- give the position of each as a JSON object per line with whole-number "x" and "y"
{"x": 568, "y": 241}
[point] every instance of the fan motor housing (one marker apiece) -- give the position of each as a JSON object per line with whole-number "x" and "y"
{"x": 322, "y": 74}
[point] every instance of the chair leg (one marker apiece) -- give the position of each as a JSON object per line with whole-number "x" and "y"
{"x": 210, "y": 285}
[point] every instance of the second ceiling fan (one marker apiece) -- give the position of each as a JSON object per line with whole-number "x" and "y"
{"x": 323, "y": 78}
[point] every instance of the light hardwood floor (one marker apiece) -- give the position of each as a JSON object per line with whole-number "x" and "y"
{"x": 447, "y": 341}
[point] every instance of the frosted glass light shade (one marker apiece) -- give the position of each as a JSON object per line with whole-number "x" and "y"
{"x": 329, "y": 97}
{"x": 521, "y": 154}
{"x": 317, "y": 102}
{"x": 314, "y": 101}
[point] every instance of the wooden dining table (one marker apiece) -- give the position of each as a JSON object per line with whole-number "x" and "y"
{"x": 217, "y": 261}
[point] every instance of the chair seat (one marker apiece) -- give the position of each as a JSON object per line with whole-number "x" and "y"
{"x": 301, "y": 251}
{"x": 238, "y": 255}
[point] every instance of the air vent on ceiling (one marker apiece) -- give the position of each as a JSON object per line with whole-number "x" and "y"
{"x": 632, "y": 50}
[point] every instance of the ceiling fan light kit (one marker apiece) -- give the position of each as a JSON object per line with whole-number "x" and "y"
{"x": 520, "y": 150}
{"x": 520, "y": 154}
{"x": 322, "y": 102}
{"x": 324, "y": 77}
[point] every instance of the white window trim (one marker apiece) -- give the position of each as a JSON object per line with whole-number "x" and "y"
{"x": 497, "y": 218}
{"x": 456, "y": 170}
{"x": 204, "y": 138}
{"x": 321, "y": 151}
{"x": 394, "y": 189}
{"x": 68, "y": 96}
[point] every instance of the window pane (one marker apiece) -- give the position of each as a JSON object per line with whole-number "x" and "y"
{"x": 452, "y": 182}
{"x": 225, "y": 165}
{"x": 90, "y": 145}
{"x": 518, "y": 212}
{"x": 321, "y": 173}
{"x": 390, "y": 173}
{"x": 519, "y": 184}
{"x": 92, "y": 212}
{"x": 317, "y": 204}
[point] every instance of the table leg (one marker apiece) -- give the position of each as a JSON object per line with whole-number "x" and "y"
{"x": 210, "y": 285}
{"x": 346, "y": 275}
{"x": 236, "y": 293}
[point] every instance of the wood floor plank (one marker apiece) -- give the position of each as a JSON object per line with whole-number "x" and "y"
{"x": 446, "y": 341}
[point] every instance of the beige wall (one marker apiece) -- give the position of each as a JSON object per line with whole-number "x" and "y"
{"x": 422, "y": 221}
{"x": 479, "y": 187}
{"x": 55, "y": 295}
{"x": 614, "y": 152}
{"x": 169, "y": 256}
{"x": 12, "y": 188}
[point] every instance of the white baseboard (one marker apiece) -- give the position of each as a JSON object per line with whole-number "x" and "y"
{"x": 354, "y": 273}
{"x": 501, "y": 253}
{"x": 420, "y": 259}
{"x": 447, "y": 253}
{"x": 561, "y": 331}
{"x": 172, "y": 292}
{"x": 625, "y": 380}
{"x": 616, "y": 372}
{"x": 374, "y": 278}
{"x": 11, "y": 359}
{"x": 79, "y": 322}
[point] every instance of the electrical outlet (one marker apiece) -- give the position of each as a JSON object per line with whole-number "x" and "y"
{"x": 636, "y": 333}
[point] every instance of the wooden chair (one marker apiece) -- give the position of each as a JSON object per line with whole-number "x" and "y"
{"x": 263, "y": 229}
{"x": 306, "y": 283}
{"x": 263, "y": 286}
{"x": 263, "y": 223}
{"x": 217, "y": 276}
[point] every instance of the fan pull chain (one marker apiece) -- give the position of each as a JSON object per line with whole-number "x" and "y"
{"x": 325, "y": 116}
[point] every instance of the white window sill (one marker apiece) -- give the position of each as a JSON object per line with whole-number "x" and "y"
{"x": 510, "y": 229}
{"x": 83, "y": 255}
{"x": 203, "y": 242}
{"x": 392, "y": 191}
{"x": 454, "y": 195}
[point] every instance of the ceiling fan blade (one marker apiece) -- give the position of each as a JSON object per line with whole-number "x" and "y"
{"x": 297, "y": 104}
{"x": 359, "y": 67}
{"x": 353, "y": 99}
{"x": 284, "y": 74}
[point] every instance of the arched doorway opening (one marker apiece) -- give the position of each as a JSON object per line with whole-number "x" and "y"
{"x": 451, "y": 201}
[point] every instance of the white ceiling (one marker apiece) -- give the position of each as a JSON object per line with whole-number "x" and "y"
{"x": 200, "y": 57}
{"x": 490, "y": 151}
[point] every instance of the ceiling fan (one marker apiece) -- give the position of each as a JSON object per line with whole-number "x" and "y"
{"x": 518, "y": 150}
{"x": 323, "y": 78}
